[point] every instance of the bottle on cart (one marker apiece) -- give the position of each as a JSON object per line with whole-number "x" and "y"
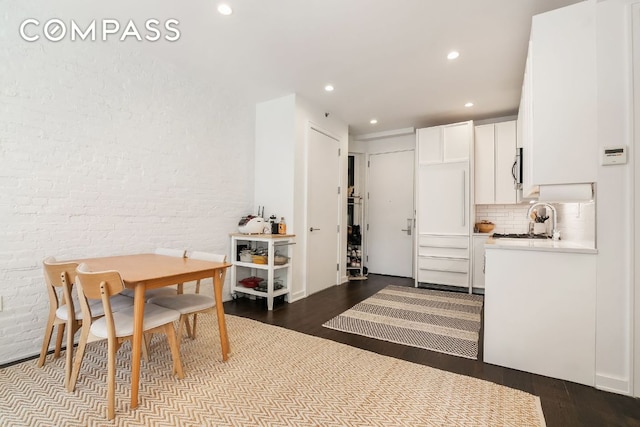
{"x": 274, "y": 224}
{"x": 282, "y": 226}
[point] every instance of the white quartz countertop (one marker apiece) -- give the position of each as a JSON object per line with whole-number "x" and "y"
{"x": 544, "y": 245}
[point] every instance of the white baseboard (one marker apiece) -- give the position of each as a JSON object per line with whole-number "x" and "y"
{"x": 293, "y": 297}
{"x": 613, "y": 385}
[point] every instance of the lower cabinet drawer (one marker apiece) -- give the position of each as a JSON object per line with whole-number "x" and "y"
{"x": 444, "y": 271}
{"x": 443, "y": 277}
{"x": 453, "y": 265}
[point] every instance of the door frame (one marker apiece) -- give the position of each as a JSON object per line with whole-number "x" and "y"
{"x": 634, "y": 191}
{"x": 310, "y": 127}
{"x": 366, "y": 204}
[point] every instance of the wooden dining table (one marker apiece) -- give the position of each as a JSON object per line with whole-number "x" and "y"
{"x": 151, "y": 271}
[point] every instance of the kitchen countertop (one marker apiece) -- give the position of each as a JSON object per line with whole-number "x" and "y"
{"x": 542, "y": 245}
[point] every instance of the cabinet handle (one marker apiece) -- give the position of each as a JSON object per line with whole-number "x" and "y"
{"x": 464, "y": 190}
{"x": 314, "y": 229}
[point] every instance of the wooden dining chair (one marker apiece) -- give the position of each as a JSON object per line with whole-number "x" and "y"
{"x": 166, "y": 290}
{"x": 189, "y": 304}
{"x": 63, "y": 313}
{"x": 116, "y": 326}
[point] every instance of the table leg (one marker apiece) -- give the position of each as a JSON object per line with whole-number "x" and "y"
{"x": 218, "y": 283}
{"x": 136, "y": 344}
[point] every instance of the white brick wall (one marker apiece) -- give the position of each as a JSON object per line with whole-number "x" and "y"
{"x": 105, "y": 150}
{"x": 576, "y": 221}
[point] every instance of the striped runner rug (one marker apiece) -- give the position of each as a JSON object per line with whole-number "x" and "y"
{"x": 446, "y": 322}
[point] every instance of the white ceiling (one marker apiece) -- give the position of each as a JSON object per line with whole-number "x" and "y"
{"x": 386, "y": 58}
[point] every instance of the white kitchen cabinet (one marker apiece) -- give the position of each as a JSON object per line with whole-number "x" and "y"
{"x": 442, "y": 144}
{"x": 529, "y": 189}
{"x": 443, "y": 200}
{"x": 443, "y": 259}
{"x": 505, "y": 151}
{"x": 540, "y": 312}
{"x": 564, "y": 96}
{"x": 478, "y": 261}
{"x": 484, "y": 158}
{"x": 495, "y": 151}
{"x": 430, "y": 145}
{"x": 276, "y": 275}
{"x": 457, "y": 141}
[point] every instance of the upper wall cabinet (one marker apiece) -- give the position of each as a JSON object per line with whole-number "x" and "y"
{"x": 445, "y": 144}
{"x": 495, "y": 151}
{"x": 563, "y": 96}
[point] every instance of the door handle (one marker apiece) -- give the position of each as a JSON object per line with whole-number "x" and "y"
{"x": 408, "y": 229}
{"x": 314, "y": 229}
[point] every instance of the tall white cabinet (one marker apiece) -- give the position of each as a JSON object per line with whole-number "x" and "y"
{"x": 444, "y": 199}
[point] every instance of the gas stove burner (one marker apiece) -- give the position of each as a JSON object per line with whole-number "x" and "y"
{"x": 520, "y": 236}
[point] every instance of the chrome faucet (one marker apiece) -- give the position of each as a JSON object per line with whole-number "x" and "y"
{"x": 555, "y": 234}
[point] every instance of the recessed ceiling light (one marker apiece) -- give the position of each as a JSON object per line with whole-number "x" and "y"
{"x": 328, "y": 88}
{"x": 453, "y": 54}
{"x": 373, "y": 121}
{"x": 468, "y": 104}
{"x": 225, "y": 9}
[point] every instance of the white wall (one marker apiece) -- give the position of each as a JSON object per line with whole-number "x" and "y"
{"x": 280, "y": 170}
{"x": 636, "y": 191}
{"x": 307, "y": 114}
{"x": 103, "y": 151}
{"x": 274, "y": 154}
{"x": 614, "y": 198}
{"x": 384, "y": 144}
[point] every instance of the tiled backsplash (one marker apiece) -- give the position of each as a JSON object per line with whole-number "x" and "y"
{"x": 576, "y": 221}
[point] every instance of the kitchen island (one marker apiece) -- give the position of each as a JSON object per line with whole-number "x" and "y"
{"x": 540, "y": 307}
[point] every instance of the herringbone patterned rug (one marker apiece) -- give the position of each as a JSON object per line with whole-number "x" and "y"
{"x": 274, "y": 377}
{"x": 446, "y": 322}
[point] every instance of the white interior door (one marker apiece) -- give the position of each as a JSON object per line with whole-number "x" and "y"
{"x": 390, "y": 213}
{"x": 323, "y": 201}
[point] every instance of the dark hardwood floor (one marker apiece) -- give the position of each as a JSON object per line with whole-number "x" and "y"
{"x": 564, "y": 403}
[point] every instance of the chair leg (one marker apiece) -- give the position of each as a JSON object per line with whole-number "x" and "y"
{"x": 193, "y": 327}
{"x": 181, "y": 324}
{"x": 56, "y": 352}
{"x": 82, "y": 346}
{"x": 187, "y": 324}
{"x": 111, "y": 380}
{"x": 71, "y": 331}
{"x": 175, "y": 350}
{"x": 48, "y": 331}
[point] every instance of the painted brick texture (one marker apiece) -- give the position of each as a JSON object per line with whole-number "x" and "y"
{"x": 106, "y": 150}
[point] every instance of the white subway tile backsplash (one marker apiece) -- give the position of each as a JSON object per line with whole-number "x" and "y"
{"x": 576, "y": 221}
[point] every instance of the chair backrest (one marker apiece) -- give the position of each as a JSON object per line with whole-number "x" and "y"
{"x": 100, "y": 285}
{"x": 206, "y": 256}
{"x": 59, "y": 275}
{"x": 178, "y": 253}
